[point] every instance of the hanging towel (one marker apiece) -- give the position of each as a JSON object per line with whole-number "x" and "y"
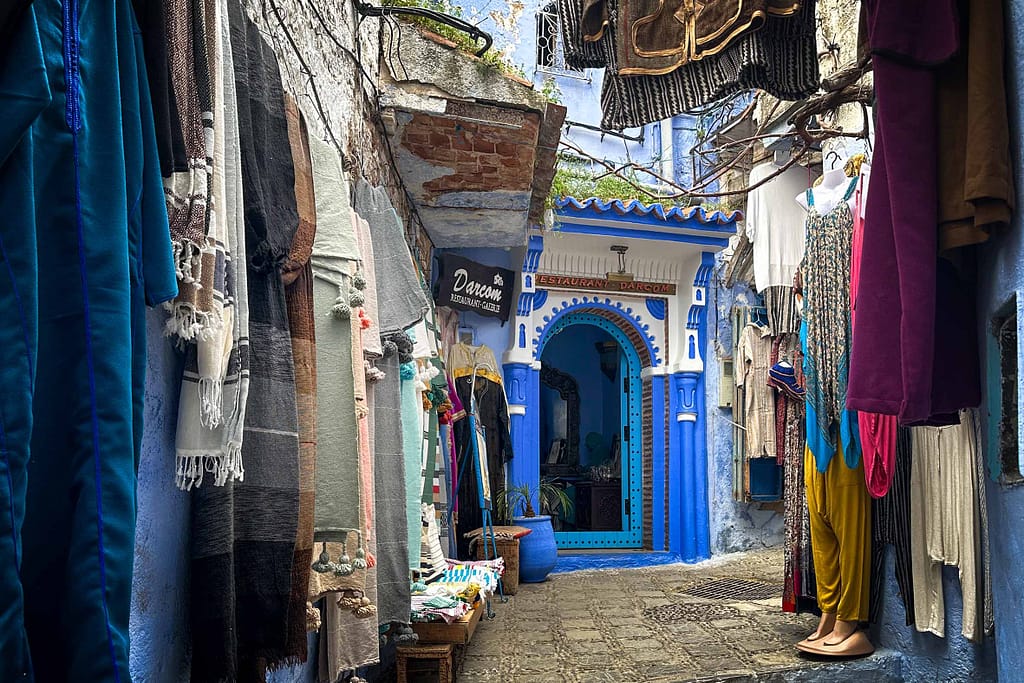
{"x": 244, "y": 533}
{"x": 394, "y": 601}
{"x": 412, "y": 449}
{"x": 400, "y": 295}
{"x": 371, "y": 334}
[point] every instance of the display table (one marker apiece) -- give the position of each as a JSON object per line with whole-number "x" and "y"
{"x": 456, "y": 633}
{"x": 440, "y": 653}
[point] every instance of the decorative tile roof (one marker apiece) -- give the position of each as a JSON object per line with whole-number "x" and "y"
{"x": 679, "y": 214}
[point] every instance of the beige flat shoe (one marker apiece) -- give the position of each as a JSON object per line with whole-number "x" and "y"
{"x": 854, "y": 645}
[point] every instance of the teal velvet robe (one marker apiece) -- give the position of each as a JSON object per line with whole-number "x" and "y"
{"x": 101, "y": 251}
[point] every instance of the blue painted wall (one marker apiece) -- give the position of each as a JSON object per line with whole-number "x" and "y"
{"x": 735, "y": 526}
{"x": 1002, "y": 269}
{"x": 159, "y": 619}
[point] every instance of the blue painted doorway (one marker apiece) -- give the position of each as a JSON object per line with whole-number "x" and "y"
{"x": 598, "y": 460}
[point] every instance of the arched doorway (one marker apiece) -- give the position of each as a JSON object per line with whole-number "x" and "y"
{"x": 590, "y": 414}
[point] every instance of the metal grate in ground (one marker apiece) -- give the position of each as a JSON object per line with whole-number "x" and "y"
{"x": 734, "y": 589}
{"x": 690, "y": 611}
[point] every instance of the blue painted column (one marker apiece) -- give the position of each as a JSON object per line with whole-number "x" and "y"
{"x": 692, "y": 467}
{"x": 522, "y": 386}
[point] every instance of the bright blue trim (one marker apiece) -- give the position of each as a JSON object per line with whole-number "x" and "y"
{"x": 637, "y": 233}
{"x": 91, "y": 365}
{"x": 695, "y": 216}
{"x": 658, "y": 463}
{"x": 605, "y": 304}
{"x": 539, "y": 297}
{"x": 658, "y": 308}
{"x": 571, "y": 562}
{"x": 633, "y": 536}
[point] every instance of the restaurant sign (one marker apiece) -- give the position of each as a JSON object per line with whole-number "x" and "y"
{"x": 469, "y": 286}
{"x": 605, "y": 285}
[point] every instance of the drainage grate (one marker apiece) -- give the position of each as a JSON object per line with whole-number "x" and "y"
{"x": 734, "y": 589}
{"x": 690, "y": 611}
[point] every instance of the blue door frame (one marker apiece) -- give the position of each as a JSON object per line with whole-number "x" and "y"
{"x": 631, "y": 430}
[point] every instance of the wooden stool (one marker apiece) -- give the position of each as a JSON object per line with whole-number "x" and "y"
{"x": 442, "y": 654}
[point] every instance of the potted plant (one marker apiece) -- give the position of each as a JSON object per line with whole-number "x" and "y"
{"x": 538, "y": 553}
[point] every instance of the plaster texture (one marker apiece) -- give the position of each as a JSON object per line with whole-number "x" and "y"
{"x": 159, "y": 627}
{"x": 1002, "y": 277}
{"x": 735, "y": 525}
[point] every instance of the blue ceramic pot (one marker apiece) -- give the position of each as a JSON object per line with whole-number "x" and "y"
{"x": 538, "y": 553}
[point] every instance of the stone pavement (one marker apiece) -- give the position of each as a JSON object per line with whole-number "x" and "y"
{"x": 640, "y": 625}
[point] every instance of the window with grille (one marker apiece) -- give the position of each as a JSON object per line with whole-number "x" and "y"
{"x": 550, "y": 52}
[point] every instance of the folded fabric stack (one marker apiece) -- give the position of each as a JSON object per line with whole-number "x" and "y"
{"x": 438, "y": 608}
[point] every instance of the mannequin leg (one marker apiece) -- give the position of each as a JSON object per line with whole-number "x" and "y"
{"x": 824, "y": 547}
{"x": 849, "y": 511}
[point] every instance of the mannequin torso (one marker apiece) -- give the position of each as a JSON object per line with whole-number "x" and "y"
{"x": 828, "y": 194}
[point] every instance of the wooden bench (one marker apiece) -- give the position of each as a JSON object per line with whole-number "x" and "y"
{"x": 440, "y": 652}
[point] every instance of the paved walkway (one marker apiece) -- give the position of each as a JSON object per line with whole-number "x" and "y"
{"x": 642, "y": 625}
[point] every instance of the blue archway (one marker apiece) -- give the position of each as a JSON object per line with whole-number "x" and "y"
{"x": 631, "y": 535}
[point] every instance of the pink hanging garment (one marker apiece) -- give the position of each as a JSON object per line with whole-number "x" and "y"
{"x": 877, "y": 432}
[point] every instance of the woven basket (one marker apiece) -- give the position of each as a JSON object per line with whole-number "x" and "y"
{"x": 509, "y": 550}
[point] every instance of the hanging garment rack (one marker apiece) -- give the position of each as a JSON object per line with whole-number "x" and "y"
{"x": 473, "y": 456}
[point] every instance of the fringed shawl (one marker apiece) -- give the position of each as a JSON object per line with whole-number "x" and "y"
{"x": 215, "y": 383}
{"x": 244, "y": 533}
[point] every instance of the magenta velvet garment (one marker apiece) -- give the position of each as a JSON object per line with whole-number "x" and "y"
{"x": 906, "y": 369}
{"x": 877, "y": 432}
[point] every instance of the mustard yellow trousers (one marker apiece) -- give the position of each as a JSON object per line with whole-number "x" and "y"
{"x": 840, "y": 512}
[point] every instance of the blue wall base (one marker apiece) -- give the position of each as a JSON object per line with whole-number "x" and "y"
{"x": 575, "y": 562}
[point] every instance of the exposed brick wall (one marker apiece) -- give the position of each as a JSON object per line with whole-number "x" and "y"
{"x": 482, "y": 157}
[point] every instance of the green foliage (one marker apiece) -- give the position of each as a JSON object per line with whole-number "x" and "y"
{"x": 516, "y": 499}
{"x": 492, "y": 58}
{"x": 576, "y": 179}
{"x": 549, "y": 88}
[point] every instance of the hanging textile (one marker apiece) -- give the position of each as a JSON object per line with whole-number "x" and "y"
{"x": 101, "y": 243}
{"x": 23, "y": 96}
{"x": 393, "y": 595}
{"x": 754, "y": 359}
{"x": 195, "y": 313}
{"x": 890, "y": 526}
{"x": 244, "y": 533}
{"x": 780, "y": 58}
{"x": 946, "y": 525}
{"x": 924, "y": 369}
{"x": 877, "y": 432}
{"x": 975, "y": 171}
{"x": 297, "y": 275}
{"x": 400, "y": 297}
{"x": 774, "y": 224}
{"x": 412, "y": 450}
{"x": 654, "y": 40}
{"x": 492, "y": 415}
{"x": 826, "y": 333}
{"x": 215, "y": 381}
